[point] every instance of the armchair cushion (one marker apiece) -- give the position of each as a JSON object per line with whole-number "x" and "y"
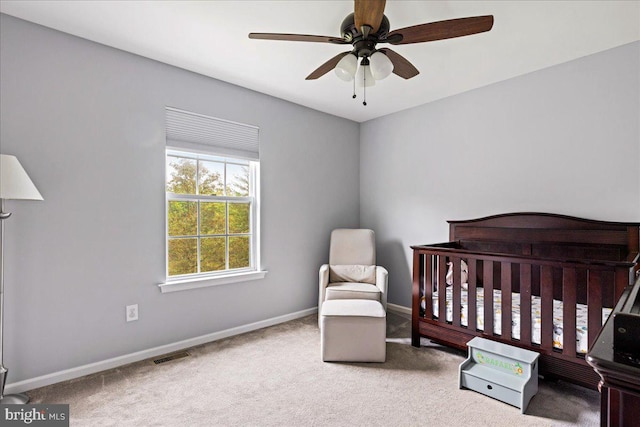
{"x": 352, "y": 290}
{"x": 352, "y": 247}
{"x": 352, "y": 273}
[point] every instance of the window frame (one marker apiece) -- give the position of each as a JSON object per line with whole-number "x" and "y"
{"x": 211, "y": 278}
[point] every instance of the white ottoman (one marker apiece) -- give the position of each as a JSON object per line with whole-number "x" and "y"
{"x": 353, "y": 331}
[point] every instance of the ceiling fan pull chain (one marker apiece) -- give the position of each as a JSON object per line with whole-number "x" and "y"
{"x": 354, "y": 88}
{"x": 364, "y": 88}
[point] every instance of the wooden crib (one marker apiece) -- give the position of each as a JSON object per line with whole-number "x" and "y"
{"x": 544, "y": 262}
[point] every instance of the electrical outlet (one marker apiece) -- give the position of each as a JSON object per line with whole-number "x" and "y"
{"x": 132, "y": 312}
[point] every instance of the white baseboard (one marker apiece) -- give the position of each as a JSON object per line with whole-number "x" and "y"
{"x": 92, "y": 368}
{"x": 401, "y": 309}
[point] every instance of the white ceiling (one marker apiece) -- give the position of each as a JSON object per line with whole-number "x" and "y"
{"x": 210, "y": 37}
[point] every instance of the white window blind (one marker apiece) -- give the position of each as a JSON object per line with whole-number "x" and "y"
{"x": 197, "y": 132}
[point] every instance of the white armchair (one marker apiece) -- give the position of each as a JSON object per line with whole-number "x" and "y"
{"x": 352, "y": 272}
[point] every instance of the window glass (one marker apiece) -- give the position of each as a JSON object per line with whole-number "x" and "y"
{"x": 212, "y": 254}
{"x": 183, "y": 258}
{"x": 210, "y": 214}
{"x": 239, "y": 218}
{"x": 238, "y": 252}
{"x": 213, "y": 218}
{"x": 182, "y": 218}
{"x": 211, "y": 178}
{"x": 237, "y": 180}
{"x": 181, "y": 175}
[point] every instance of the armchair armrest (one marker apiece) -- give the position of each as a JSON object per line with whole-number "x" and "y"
{"x": 323, "y": 280}
{"x": 382, "y": 277}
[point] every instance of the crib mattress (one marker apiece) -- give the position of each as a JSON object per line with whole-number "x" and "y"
{"x": 582, "y": 343}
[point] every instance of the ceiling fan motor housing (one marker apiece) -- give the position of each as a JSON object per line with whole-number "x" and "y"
{"x": 364, "y": 44}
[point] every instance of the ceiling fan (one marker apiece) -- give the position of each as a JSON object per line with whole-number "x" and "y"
{"x": 365, "y": 28}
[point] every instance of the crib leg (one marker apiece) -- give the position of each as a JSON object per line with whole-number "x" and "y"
{"x": 415, "y": 336}
{"x": 550, "y": 378}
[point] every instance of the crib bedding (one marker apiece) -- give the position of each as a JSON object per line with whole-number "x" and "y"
{"x": 581, "y": 316}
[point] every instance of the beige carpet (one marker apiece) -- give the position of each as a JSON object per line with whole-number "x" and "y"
{"x": 274, "y": 377}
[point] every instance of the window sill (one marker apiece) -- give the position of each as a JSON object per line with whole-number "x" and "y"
{"x": 204, "y": 282}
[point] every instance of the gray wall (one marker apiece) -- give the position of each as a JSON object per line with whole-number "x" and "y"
{"x": 87, "y": 123}
{"x": 564, "y": 139}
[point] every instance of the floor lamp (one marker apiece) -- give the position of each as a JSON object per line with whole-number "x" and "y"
{"x": 14, "y": 184}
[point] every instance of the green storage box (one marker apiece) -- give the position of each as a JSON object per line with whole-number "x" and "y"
{"x": 504, "y": 372}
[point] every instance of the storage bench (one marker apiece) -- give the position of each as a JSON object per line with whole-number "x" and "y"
{"x": 500, "y": 371}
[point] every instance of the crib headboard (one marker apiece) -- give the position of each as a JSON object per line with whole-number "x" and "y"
{"x": 549, "y": 236}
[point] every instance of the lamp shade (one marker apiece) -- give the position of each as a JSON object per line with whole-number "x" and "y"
{"x": 381, "y": 65}
{"x": 346, "y": 67}
{"x": 14, "y": 181}
{"x": 364, "y": 77}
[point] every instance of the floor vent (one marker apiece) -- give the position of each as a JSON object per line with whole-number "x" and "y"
{"x": 170, "y": 357}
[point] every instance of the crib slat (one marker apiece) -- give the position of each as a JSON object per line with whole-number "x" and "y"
{"x": 487, "y": 282}
{"x": 569, "y": 296}
{"x": 505, "y": 285}
{"x": 622, "y": 281}
{"x": 594, "y": 300}
{"x": 442, "y": 289}
{"x": 525, "y": 303}
{"x": 456, "y": 305}
{"x": 428, "y": 286}
{"x": 471, "y": 295}
{"x": 546, "y": 308}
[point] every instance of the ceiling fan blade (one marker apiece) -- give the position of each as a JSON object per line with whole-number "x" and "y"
{"x": 441, "y": 30}
{"x": 297, "y": 38}
{"x": 401, "y": 66}
{"x": 327, "y": 66}
{"x": 368, "y": 12}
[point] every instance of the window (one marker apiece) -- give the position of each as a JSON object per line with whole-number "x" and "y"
{"x": 212, "y": 231}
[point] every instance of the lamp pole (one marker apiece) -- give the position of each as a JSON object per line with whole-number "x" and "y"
{"x": 9, "y": 398}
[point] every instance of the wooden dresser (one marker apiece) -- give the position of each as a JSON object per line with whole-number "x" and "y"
{"x": 617, "y": 365}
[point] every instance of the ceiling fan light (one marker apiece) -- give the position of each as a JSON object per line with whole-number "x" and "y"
{"x": 364, "y": 78}
{"x": 381, "y": 66}
{"x": 346, "y": 68}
